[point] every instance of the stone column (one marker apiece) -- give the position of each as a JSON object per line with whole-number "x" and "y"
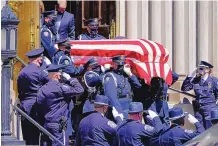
{"x": 192, "y": 59}
{"x": 122, "y": 18}
{"x": 205, "y": 31}
{"x": 180, "y": 37}
{"x": 145, "y": 19}
{"x": 133, "y": 19}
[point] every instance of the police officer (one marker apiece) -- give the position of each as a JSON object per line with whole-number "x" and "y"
{"x": 206, "y": 91}
{"x": 65, "y": 22}
{"x": 62, "y": 56}
{"x": 54, "y": 98}
{"x": 96, "y": 129}
{"x": 48, "y": 33}
{"x": 176, "y": 134}
{"x": 133, "y": 132}
{"x": 92, "y": 30}
{"x": 119, "y": 83}
{"x": 29, "y": 80}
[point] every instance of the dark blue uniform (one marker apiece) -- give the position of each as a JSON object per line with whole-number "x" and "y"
{"x": 29, "y": 81}
{"x": 60, "y": 58}
{"x": 95, "y": 129}
{"x": 65, "y": 26}
{"x": 177, "y": 136}
{"x": 135, "y": 133}
{"x": 206, "y": 94}
{"x": 87, "y": 36}
{"x": 54, "y": 98}
{"x": 117, "y": 88}
{"x": 47, "y": 40}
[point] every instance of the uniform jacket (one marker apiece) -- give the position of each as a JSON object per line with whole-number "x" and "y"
{"x": 96, "y": 130}
{"x": 134, "y": 133}
{"x": 29, "y": 80}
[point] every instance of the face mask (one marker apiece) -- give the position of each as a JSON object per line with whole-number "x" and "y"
{"x": 62, "y": 10}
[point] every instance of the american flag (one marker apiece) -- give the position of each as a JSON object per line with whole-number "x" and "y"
{"x": 147, "y": 58}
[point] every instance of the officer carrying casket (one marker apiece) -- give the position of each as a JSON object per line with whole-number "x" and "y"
{"x": 48, "y": 33}
{"x": 62, "y": 56}
{"x": 119, "y": 83}
{"x": 92, "y": 30}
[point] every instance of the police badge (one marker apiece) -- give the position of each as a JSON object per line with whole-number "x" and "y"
{"x": 66, "y": 62}
{"x": 45, "y": 34}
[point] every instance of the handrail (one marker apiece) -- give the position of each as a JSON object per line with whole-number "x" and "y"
{"x": 36, "y": 124}
{"x": 20, "y": 60}
{"x": 182, "y": 92}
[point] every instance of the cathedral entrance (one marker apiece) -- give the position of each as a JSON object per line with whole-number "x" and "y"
{"x": 90, "y": 9}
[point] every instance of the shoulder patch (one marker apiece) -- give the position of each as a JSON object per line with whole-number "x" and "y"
{"x": 148, "y": 128}
{"x": 111, "y": 124}
{"x": 90, "y": 75}
{"x": 188, "y": 131}
{"x": 66, "y": 62}
{"x": 65, "y": 87}
{"x": 45, "y": 34}
{"x": 107, "y": 79}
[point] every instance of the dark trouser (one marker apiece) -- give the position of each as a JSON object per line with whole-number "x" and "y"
{"x": 54, "y": 129}
{"x": 30, "y": 132}
{"x": 204, "y": 113}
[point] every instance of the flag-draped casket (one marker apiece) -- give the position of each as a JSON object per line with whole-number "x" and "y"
{"x": 147, "y": 58}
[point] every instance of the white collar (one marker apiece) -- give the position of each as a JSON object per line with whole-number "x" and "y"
{"x": 205, "y": 77}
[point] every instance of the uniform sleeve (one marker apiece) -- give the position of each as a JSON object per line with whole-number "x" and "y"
{"x": 71, "y": 31}
{"x": 74, "y": 89}
{"x": 187, "y": 85}
{"x": 215, "y": 86}
{"x": 134, "y": 81}
{"x": 47, "y": 43}
{"x": 70, "y": 68}
{"x": 175, "y": 77}
{"x": 189, "y": 134}
{"x": 110, "y": 90}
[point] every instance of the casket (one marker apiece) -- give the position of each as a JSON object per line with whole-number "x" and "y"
{"x": 147, "y": 58}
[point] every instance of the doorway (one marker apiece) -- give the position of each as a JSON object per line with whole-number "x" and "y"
{"x": 90, "y": 9}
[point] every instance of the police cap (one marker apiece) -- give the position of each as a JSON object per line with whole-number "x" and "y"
{"x": 205, "y": 64}
{"x": 101, "y": 100}
{"x": 120, "y": 59}
{"x": 35, "y": 53}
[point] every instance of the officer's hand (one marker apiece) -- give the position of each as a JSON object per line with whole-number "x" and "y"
{"x": 56, "y": 46}
{"x": 193, "y": 73}
{"x": 152, "y": 114}
{"x": 116, "y": 114}
{"x": 127, "y": 69}
{"x": 192, "y": 119}
{"x": 102, "y": 68}
{"x": 66, "y": 76}
{"x": 46, "y": 60}
{"x": 107, "y": 66}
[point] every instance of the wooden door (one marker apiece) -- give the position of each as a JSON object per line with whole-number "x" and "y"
{"x": 28, "y": 13}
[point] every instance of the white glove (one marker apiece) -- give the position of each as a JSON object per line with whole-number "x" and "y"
{"x": 193, "y": 74}
{"x": 116, "y": 114}
{"x": 102, "y": 69}
{"x": 107, "y": 66}
{"x": 66, "y": 76}
{"x": 127, "y": 69}
{"x": 192, "y": 119}
{"x": 56, "y": 46}
{"x": 46, "y": 60}
{"x": 152, "y": 114}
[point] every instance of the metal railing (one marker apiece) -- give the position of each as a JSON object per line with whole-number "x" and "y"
{"x": 20, "y": 113}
